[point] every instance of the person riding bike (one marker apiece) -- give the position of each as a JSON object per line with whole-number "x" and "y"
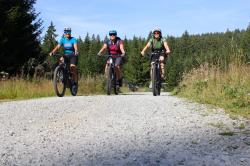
{"x": 158, "y": 44}
{"x": 70, "y": 51}
{"x": 115, "y": 47}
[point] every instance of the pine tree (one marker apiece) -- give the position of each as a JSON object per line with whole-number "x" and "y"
{"x": 49, "y": 43}
{"x": 19, "y": 32}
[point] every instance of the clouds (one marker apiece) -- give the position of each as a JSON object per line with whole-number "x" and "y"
{"x": 139, "y": 17}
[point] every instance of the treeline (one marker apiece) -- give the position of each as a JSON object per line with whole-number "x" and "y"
{"x": 23, "y": 51}
{"x": 188, "y": 52}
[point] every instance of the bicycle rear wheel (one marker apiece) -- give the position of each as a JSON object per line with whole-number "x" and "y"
{"x": 154, "y": 80}
{"x": 59, "y": 82}
{"x": 109, "y": 79}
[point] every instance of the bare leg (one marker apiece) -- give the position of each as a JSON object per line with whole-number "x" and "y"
{"x": 118, "y": 72}
{"x": 162, "y": 65}
{"x": 106, "y": 71}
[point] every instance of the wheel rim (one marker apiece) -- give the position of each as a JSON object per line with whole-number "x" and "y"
{"x": 60, "y": 81}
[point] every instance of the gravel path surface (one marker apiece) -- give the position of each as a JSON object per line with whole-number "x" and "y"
{"x": 131, "y": 129}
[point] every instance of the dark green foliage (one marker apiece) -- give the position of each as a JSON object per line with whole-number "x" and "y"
{"x": 187, "y": 52}
{"x": 19, "y": 31}
{"x": 190, "y": 51}
{"x": 136, "y": 68}
{"x": 19, "y": 44}
{"x": 245, "y": 43}
{"x": 49, "y": 43}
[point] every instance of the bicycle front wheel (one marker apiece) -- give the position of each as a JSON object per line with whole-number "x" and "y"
{"x": 109, "y": 80}
{"x": 154, "y": 80}
{"x": 74, "y": 86}
{"x": 59, "y": 82}
{"x": 158, "y": 82}
{"x": 115, "y": 84}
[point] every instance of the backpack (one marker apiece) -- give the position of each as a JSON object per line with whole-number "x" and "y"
{"x": 153, "y": 43}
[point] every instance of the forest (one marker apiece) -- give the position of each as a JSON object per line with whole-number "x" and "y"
{"x": 24, "y": 51}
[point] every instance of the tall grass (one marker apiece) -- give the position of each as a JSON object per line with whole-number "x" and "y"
{"x": 228, "y": 88}
{"x": 17, "y": 88}
{"x": 91, "y": 85}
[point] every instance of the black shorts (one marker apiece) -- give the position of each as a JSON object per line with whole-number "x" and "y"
{"x": 72, "y": 59}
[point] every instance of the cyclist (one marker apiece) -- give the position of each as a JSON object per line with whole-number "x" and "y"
{"x": 158, "y": 43}
{"x": 70, "y": 51}
{"x": 115, "y": 47}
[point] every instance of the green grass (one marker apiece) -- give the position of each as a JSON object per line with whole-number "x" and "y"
{"x": 228, "y": 89}
{"x": 16, "y": 88}
{"x": 23, "y": 89}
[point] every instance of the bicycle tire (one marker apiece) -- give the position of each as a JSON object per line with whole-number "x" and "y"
{"x": 115, "y": 84}
{"x": 59, "y": 77}
{"x": 109, "y": 80}
{"x": 74, "y": 88}
{"x": 154, "y": 79}
{"x": 158, "y": 81}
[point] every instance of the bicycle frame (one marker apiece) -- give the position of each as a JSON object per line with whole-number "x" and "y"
{"x": 156, "y": 73}
{"x": 111, "y": 75}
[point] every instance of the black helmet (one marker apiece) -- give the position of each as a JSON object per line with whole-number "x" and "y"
{"x": 67, "y": 30}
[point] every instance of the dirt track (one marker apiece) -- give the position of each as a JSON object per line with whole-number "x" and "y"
{"x": 132, "y": 129}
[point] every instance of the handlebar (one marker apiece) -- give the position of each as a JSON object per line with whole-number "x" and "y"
{"x": 106, "y": 56}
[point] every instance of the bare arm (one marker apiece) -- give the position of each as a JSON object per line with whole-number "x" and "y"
{"x": 145, "y": 48}
{"x": 55, "y": 49}
{"x": 104, "y": 47}
{"x": 122, "y": 48}
{"x": 76, "y": 49}
{"x": 167, "y": 48}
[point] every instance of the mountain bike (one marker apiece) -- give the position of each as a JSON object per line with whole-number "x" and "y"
{"x": 156, "y": 72}
{"x": 63, "y": 78}
{"x": 111, "y": 81}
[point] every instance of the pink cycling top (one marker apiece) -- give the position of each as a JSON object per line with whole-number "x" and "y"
{"x": 114, "y": 47}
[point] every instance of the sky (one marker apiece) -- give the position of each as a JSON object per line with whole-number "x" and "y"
{"x": 131, "y": 17}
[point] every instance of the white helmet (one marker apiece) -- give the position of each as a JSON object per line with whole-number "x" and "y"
{"x": 156, "y": 30}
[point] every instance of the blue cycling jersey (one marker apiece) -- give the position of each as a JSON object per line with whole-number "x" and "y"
{"x": 68, "y": 44}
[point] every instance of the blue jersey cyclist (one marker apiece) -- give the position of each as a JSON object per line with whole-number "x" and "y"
{"x": 69, "y": 44}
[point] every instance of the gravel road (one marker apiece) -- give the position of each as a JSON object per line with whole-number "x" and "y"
{"x": 129, "y": 129}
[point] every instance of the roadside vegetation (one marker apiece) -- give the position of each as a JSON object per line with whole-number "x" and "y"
{"x": 228, "y": 89}
{"x": 19, "y": 88}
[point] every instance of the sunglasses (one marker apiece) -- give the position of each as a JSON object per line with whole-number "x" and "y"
{"x": 157, "y": 33}
{"x": 112, "y": 34}
{"x": 67, "y": 33}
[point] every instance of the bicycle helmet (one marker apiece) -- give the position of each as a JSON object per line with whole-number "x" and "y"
{"x": 156, "y": 30}
{"x": 67, "y": 30}
{"x": 112, "y": 32}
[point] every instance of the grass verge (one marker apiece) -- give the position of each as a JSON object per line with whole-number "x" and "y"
{"x": 16, "y": 88}
{"x": 228, "y": 89}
